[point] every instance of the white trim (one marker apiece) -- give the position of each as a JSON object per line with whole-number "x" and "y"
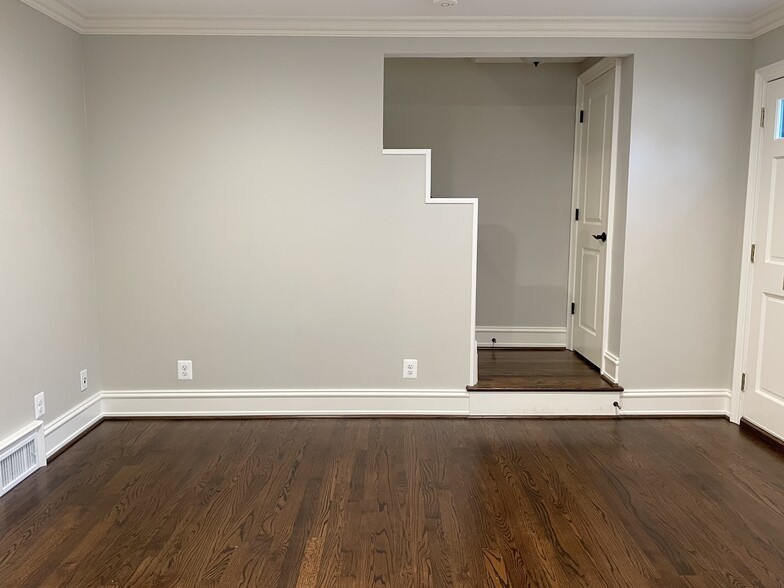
{"x": 675, "y": 402}
{"x": 217, "y": 403}
{"x": 64, "y": 429}
{"x": 521, "y": 336}
{"x": 767, "y": 20}
{"x": 423, "y": 27}
{"x": 612, "y": 367}
{"x": 354, "y": 402}
{"x": 14, "y": 438}
{"x": 553, "y": 403}
{"x": 475, "y": 364}
{"x": 613, "y": 195}
{"x": 565, "y": 27}
{"x": 21, "y": 434}
{"x": 761, "y": 78}
{"x": 572, "y": 277}
{"x": 474, "y": 203}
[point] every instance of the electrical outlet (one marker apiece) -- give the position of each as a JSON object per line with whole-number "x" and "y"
{"x": 40, "y": 405}
{"x": 410, "y": 369}
{"x": 185, "y": 369}
{"x": 83, "y": 380}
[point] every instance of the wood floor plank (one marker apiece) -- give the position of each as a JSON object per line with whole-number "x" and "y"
{"x": 398, "y": 503}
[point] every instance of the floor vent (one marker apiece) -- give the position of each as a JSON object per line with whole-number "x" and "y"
{"x": 21, "y": 456}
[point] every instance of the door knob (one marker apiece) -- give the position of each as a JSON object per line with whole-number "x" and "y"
{"x": 602, "y": 237}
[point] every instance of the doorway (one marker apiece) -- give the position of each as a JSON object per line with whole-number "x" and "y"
{"x": 506, "y": 131}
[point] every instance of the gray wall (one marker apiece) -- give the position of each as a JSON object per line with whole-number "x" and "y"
{"x": 503, "y": 133}
{"x": 48, "y": 317}
{"x": 768, "y": 48}
{"x": 246, "y": 219}
{"x": 687, "y": 179}
{"x": 615, "y": 322}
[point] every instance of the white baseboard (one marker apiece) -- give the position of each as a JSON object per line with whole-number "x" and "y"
{"x": 217, "y": 403}
{"x": 675, "y": 402}
{"x": 63, "y": 430}
{"x": 336, "y": 403}
{"x": 612, "y": 366}
{"x": 521, "y": 336}
{"x": 543, "y": 403}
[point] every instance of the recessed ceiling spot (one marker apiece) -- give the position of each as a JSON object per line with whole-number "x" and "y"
{"x": 445, "y": 3}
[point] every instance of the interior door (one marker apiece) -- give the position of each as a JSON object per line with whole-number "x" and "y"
{"x": 763, "y": 401}
{"x": 595, "y": 136}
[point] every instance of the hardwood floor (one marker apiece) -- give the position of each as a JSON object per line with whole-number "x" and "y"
{"x": 401, "y": 502}
{"x": 537, "y": 369}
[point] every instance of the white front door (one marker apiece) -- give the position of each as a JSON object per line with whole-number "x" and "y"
{"x": 763, "y": 401}
{"x": 595, "y": 138}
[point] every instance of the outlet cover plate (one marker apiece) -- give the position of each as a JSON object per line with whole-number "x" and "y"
{"x": 184, "y": 369}
{"x": 83, "y": 380}
{"x": 40, "y": 405}
{"x": 410, "y": 369}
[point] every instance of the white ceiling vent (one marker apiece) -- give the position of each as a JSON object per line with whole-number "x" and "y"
{"x": 21, "y": 456}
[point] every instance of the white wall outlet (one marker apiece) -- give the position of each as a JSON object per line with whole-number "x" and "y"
{"x": 83, "y": 380}
{"x": 40, "y": 405}
{"x": 410, "y": 369}
{"x": 184, "y": 369}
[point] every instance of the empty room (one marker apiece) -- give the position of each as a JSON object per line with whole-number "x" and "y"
{"x": 415, "y": 293}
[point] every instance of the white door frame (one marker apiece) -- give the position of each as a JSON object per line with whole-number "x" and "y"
{"x": 761, "y": 79}
{"x": 586, "y": 78}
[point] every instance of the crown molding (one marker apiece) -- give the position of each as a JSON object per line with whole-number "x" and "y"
{"x": 767, "y": 21}
{"x": 422, "y": 27}
{"x": 585, "y": 27}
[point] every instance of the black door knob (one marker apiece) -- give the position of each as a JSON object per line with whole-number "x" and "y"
{"x": 602, "y": 237}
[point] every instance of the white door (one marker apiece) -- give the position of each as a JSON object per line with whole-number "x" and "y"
{"x": 595, "y": 136}
{"x": 763, "y": 401}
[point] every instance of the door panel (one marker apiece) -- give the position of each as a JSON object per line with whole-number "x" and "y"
{"x": 776, "y": 204}
{"x": 770, "y": 366}
{"x": 593, "y": 196}
{"x": 763, "y": 401}
{"x": 588, "y": 296}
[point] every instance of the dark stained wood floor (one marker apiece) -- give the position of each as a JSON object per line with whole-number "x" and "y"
{"x": 537, "y": 369}
{"x": 399, "y": 502}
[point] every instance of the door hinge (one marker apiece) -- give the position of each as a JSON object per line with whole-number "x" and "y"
{"x": 573, "y": 305}
{"x": 582, "y": 116}
{"x": 576, "y": 214}
{"x": 762, "y": 118}
{"x": 753, "y": 253}
{"x": 743, "y": 382}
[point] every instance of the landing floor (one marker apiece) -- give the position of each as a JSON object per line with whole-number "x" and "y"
{"x": 538, "y": 369}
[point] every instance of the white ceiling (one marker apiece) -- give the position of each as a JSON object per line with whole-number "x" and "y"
{"x": 679, "y": 18}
